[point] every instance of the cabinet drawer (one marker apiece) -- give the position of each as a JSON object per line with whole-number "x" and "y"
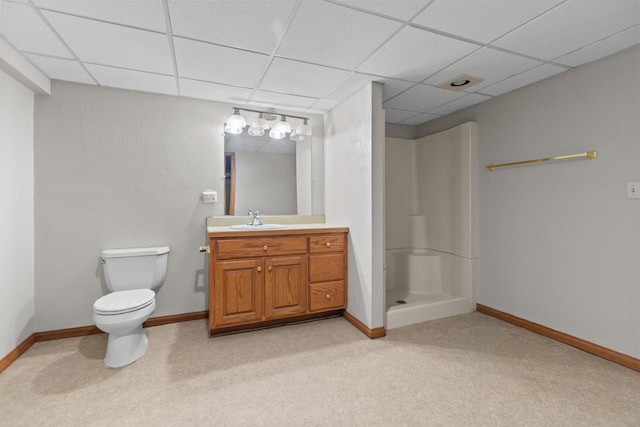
{"x": 325, "y": 296}
{"x": 326, "y": 243}
{"x": 260, "y": 246}
{"x": 326, "y": 268}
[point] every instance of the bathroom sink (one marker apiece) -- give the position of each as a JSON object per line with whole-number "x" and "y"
{"x": 257, "y": 227}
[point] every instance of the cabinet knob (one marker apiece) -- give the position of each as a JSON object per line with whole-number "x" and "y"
{"x": 270, "y": 268}
{"x": 328, "y": 244}
{"x": 265, "y": 247}
{"x": 259, "y": 269}
{"x": 328, "y": 296}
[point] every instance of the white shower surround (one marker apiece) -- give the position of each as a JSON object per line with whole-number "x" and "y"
{"x": 430, "y": 255}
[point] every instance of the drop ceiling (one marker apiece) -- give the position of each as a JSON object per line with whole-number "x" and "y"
{"x": 309, "y": 55}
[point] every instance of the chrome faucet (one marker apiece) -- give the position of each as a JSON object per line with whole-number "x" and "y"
{"x": 255, "y": 218}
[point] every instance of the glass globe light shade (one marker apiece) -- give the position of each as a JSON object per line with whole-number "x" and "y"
{"x": 294, "y": 136}
{"x": 304, "y": 129}
{"x": 235, "y": 123}
{"x": 255, "y": 131}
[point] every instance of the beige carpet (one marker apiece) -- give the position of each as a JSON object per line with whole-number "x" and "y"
{"x": 465, "y": 370}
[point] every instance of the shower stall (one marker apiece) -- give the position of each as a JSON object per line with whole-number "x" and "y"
{"x": 430, "y": 251}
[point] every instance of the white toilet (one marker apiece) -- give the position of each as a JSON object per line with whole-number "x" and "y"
{"x": 133, "y": 276}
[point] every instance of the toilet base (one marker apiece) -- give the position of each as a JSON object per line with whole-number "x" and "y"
{"x": 124, "y": 349}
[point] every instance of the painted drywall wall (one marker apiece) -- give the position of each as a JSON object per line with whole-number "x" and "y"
{"x": 114, "y": 169}
{"x": 265, "y": 182}
{"x": 354, "y": 173}
{"x": 17, "y": 301}
{"x": 559, "y": 244}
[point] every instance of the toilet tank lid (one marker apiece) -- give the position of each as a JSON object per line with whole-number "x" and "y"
{"x": 120, "y": 253}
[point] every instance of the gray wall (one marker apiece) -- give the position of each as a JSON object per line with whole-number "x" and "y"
{"x": 16, "y": 214}
{"x": 116, "y": 168}
{"x": 559, "y": 244}
{"x": 354, "y": 159}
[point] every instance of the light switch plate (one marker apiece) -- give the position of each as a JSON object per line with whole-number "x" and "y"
{"x": 633, "y": 190}
{"x": 209, "y": 196}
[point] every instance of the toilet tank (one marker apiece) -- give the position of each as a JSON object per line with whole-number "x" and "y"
{"x": 135, "y": 268}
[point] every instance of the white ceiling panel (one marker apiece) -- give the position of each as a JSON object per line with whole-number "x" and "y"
{"x": 147, "y": 14}
{"x": 399, "y": 9}
{"x": 459, "y": 104}
{"x": 61, "y": 69}
{"x": 350, "y": 86}
{"x": 488, "y": 64}
{"x": 392, "y": 115}
{"x": 415, "y": 54}
{"x": 247, "y": 24}
{"x": 133, "y": 80}
{"x": 281, "y": 100}
{"x": 481, "y": 21}
{"x": 299, "y": 78}
{"x": 392, "y": 87}
{"x": 572, "y": 25}
{"x": 214, "y": 91}
{"x": 218, "y": 64}
{"x": 419, "y": 119}
{"x": 539, "y": 73}
{"x": 22, "y": 27}
{"x": 422, "y": 98}
{"x": 328, "y": 34}
{"x": 323, "y": 105}
{"x": 115, "y": 45}
{"x": 602, "y": 48}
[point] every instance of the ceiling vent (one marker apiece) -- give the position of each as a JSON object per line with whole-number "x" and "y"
{"x": 460, "y": 82}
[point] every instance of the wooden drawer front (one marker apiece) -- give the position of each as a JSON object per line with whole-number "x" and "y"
{"x": 326, "y": 268}
{"x": 326, "y": 243}
{"x": 326, "y": 296}
{"x": 260, "y": 246}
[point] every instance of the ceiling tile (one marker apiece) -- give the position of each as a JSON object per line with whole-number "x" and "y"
{"x": 419, "y": 119}
{"x": 328, "y": 34}
{"x": 602, "y": 48}
{"x": 281, "y": 100}
{"x": 323, "y": 105}
{"x": 489, "y": 64}
{"x": 147, "y": 14}
{"x": 248, "y": 24}
{"x": 279, "y": 146}
{"x": 570, "y": 26}
{"x": 218, "y": 64}
{"x": 22, "y": 27}
{"x": 481, "y": 21}
{"x": 133, "y": 80}
{"x": 61, "y": 69}
{"x": 214, "y": 91}
{"x": 460, "y": 103}
{"x": 392, "y": 115}
{"x": 299, "y": 78}
{"x": 399, "y": 9}
{"x": 422, "y": 98}
{"x": 350, "y": 86}
{"x": 115, "y": 45}
{"x": 539, "y": 73}
{"x": 392, "y": 87}
{"x": 414, "y": 54}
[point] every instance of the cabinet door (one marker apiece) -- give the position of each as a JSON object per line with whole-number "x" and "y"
{"x": 238, "y": 292}
{"x": 285, "y": 286}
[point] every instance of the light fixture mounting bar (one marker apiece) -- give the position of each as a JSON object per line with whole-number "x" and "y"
{"x": 271, "y": 112}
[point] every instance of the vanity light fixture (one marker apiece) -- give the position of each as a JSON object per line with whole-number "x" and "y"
{"x": 236, "y": 123}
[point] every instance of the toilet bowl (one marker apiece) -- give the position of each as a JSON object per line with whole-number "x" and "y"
{"x": 133, "y": 275}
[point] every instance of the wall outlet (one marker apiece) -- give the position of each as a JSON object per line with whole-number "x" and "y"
{"x": 209, "y": 196}
{"x": 633, "y": 190}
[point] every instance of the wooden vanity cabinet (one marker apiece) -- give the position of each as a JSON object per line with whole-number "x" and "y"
{"x": 260, "y": 278}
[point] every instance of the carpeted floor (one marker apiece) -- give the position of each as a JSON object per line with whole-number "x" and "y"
{"x": 460, "y": 371}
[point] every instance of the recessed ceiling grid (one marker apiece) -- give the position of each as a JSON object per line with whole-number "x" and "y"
{"x": 309, "y": 55}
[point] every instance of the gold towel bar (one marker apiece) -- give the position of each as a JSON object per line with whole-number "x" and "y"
{"x": 586, "y": 155}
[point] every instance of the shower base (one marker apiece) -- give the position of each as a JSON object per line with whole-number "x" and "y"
{"x": 416, "y": 308}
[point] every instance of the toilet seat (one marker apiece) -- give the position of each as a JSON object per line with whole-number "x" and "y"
{"x": 121, "y": 302}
